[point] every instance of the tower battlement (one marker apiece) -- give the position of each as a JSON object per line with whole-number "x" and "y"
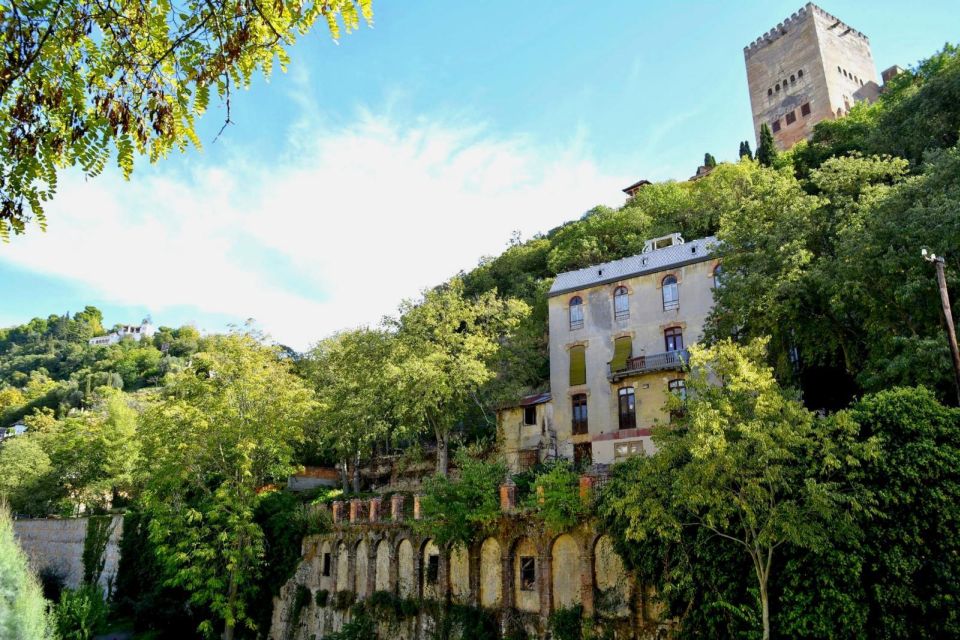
{"x": 797, "y": 17}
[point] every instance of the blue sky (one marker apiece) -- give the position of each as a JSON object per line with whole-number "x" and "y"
{"x": 386, "y": 163}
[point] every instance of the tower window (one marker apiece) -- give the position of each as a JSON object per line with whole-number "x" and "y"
{"x": 800, "y": 73}
{"x": 673, "y": 339}
{"x": 775, "y": 125}
{"x": 628, "y": 408}
{"x": 433, "y": 569}
{"x": 671, "y": 294}
{"x": 791, "y": 117}
{"x": 528, "y": 573}
{"x": 530, "y": 415}
{"x": 778, "y": 87}
{"x": 805, "y": 109}
{"x": 576, "y": 313}
{"x": 326, "y": 564}
{"x": 793, "y": 79}
{"x": 621, "y": 303}
{"x": 579, "y": 425}
{"x": 769, "y": 92}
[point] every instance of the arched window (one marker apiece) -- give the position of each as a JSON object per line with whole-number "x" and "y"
{"x": 621, "y": 303}
{"x": 717, "y": 276}
{"x": 769, "y": 92}
{"x": 800, "y": 73}
{"x": 793, "y": 79}
{"x": 673, "y": 339}
{"x": 576, "y": 312}
{"x": 778, "y": 88}
{"x": 671, "y": 294}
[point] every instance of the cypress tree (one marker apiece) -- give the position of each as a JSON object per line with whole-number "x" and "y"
{"x": 709, "y": 161}
{"x": 745, "y": 150}
{"x": 767, "y": 149}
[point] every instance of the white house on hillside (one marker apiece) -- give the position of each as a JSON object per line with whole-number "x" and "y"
{"x": 144, "y": 330}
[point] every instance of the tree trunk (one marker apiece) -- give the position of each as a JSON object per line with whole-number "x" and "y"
{"x": 442, "y": 453}
{"x": 228, "y": 627}
{"x": 344, "y": 479}
{"x": 356, "y": 474}
{"x": 765, "y": 604}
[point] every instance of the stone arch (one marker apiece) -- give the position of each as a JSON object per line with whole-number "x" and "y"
{"x": 325, "y": 558}
{"x": 406, "y": 582}
{"x": 460, "y": 574}
{"x": 361, "y": 568}
{"x": 343, "y": 567}
{"x": 565, "y": 562}
{"x": 382, "y": 574}
{"x": 525, "y": 564}
{"x": 611, "y": 579}
{"x": 491, "y": 574}
{"x": 430, "y": 569}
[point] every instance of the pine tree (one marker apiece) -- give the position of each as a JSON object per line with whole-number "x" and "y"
{"x": 745, "y": 150}
{"x": 23, "y": 611}
{"x": 767, "y": 149}
{"x": 709, "y": 161}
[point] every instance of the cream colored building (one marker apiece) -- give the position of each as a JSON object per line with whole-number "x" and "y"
{"x": 619, "y": 333}
{"x": 808, "y": 68}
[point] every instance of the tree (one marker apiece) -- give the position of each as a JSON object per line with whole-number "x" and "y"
{"x": 446, "y": 346}
{"x": 745, "y": 150}
{"x": 733, "y": 467}
{"x": 355, "y": 398}
{"x": 225, "y": 428}
{"x": 709, "y": 161}
{"x": 23, "y": 611}
{"x": 462, "y": 510}
{"x": 767, "y": 149}
{"x": 25, "y": 481}
{"x": 84, "y": 78}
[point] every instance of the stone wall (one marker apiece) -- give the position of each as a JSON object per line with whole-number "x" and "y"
{"x": 521, "y": 572}
{"x": 57, "y": 545}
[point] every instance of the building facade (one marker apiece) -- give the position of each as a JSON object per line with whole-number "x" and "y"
{"x": 135, "y": 332}
{"x": 619, "y": 333}
{"x": 810, "y": 67}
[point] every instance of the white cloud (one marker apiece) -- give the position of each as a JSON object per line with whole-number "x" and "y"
{"x": 331, "y": 237}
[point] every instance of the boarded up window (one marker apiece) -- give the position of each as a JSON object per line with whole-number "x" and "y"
{"x": 578, "y": 365}
{"x": 622, "y": 352}
{"x": 528, "y": 459}
{"x": 805, "y": 109}
{"x": 791, "y": 117}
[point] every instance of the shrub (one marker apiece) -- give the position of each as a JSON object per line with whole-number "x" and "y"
{"x": 343, "y": 600}
{"x": 566, "y": 623}
{"x": 556, "y": 498}
{"x": 81, "y": 613}
{"x": 321, "y": 597}
{"x": 362, "y": 627}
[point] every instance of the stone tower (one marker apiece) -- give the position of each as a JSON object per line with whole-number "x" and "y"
{"x": 810, "y": 67}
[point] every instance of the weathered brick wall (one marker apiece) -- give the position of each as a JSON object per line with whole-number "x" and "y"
{"x": 58, "y": 544}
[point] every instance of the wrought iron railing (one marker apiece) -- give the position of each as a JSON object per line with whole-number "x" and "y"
{"x": 647, "y": 363}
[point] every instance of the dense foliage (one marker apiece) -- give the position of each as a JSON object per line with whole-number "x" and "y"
{"x": 23, "y": 610}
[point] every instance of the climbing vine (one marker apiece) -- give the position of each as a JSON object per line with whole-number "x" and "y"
{"x": 99, "y": 529}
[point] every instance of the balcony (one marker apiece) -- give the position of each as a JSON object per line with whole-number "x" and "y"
{"x": 649, "y": 363}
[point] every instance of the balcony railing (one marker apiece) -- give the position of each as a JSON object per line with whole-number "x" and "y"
{"x": 648, "y": 363}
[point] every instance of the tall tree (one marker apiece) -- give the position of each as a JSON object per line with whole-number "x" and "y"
{"x": 767, "y": 149}
{"x": 709, "y": 161}
{"x": 446, "y": 349}
{"x": 732, "y": 467}
{"x": 84, "y": 78}
{"x": 745, "y": 150}
{"x": 355, "y": 398}
{"x": 225, "y": 428}
{"x": 23, "y": 610}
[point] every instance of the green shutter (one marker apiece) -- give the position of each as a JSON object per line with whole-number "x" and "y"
{"x": 578, "y": 366}
{"x": 622, "y": 351}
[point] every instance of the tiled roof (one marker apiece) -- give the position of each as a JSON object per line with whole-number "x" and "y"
{"x": 650, "y": 262}
{"x": 529, "y": 401}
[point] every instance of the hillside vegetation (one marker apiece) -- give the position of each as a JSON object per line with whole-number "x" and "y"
{"x": 834, "y": 433}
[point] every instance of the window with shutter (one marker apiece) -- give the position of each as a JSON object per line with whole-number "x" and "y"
{"x": 578, "y": 365}
{"x": 622, "y": 352}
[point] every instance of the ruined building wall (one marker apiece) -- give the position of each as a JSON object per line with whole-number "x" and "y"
{"x": 520, "y": 573}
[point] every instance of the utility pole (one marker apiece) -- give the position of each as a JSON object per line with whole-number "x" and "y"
{"x": 947, "y": 314}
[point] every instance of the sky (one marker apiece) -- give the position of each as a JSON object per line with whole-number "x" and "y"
{"x": 384, "y": 164}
